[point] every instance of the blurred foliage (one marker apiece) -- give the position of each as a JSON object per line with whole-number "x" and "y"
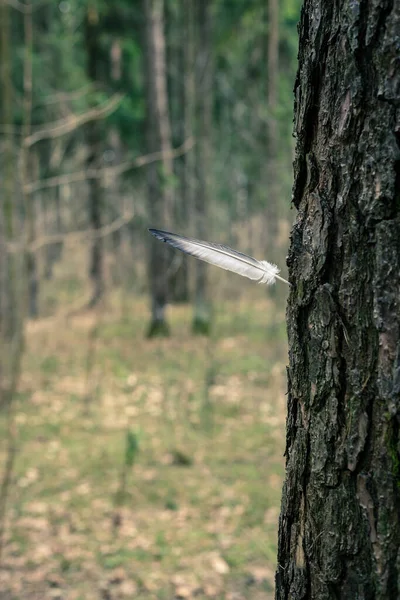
{"x": 240, "y": 33}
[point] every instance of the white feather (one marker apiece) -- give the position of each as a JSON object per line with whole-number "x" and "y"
{"x": 222, "y": 256}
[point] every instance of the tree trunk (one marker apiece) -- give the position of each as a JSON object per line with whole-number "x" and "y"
{"x": 182, "y": 117}
{"x": 159, "y": 174}
{"x": 12, "y": 264}
{"x": 94, "y": 140}
{"x": 115, "y": 143}
{"x": 28, "y": 170}
{"x": 339, "y": 532}
{"x": 203, "y": 74}
{"x": 271, "y": 174}
{"x": 8, "y": 317}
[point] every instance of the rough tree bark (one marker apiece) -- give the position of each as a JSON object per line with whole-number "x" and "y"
{"x": 159, "y": 174}
{"x": 339, "y": 532}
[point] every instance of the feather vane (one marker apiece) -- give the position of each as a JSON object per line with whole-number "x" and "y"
{"x": 222, "y": 256}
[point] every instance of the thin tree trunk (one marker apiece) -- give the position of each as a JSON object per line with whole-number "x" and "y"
{"x": 114, "y": 140}
{"x": 12, "y": 265}
{"x": 7, "y": 198}
{"x": 339, "y": 533}
{"x": 27, "y": 169}
{"x": 182, "y": 117}
{"x": 12, "y": 272}
{"x": 159, "y": 175}
{"x": 272, "y": 136}
{"x": 187, "y": 173}
{"x": 203, "y": 72}
{"x": 94, "y": 140}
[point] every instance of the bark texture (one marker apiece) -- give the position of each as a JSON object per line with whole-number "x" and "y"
{"x": 339, "y": 531}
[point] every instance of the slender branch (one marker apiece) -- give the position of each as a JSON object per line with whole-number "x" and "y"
{"x": 85, "y": 174}
{"x": 141, "y": 161}
{"x": 58, "y": 97}
{"x": 87, "y": 234}
{"x": 73, "y": 122}
{"x": 65, "y": 179}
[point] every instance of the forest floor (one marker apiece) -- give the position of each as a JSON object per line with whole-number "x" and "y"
{"x": 147, "y": 469}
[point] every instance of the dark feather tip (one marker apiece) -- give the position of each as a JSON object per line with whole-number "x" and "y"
{"x": 158, "y": 234}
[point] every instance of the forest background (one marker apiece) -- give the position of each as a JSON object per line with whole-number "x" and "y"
{"x": 133, "y": 466}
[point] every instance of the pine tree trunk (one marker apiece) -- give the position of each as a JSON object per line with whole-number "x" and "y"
{"x": 339, "y": 533}
{"x": 159, "y": 174}
{"x": 202, "y": 315}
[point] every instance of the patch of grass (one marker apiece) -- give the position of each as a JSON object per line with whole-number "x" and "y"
{"x": 50, "y": 365}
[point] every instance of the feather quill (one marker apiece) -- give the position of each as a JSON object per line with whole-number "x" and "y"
{"x": 222, "y": 256}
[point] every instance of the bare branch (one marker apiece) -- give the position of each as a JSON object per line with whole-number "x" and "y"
{"x": 72, "y": 122}
{"x": 87, "y": 234}
{"x": 85, "y": 174}
{"x": 58, "y": 97}
{"x": 67, "y": 178}
{"x": 141, "y": 161}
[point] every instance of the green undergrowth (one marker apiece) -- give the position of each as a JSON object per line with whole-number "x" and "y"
{"x": 148, "y": 468}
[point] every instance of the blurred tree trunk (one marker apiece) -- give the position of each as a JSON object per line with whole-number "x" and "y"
{"x": 28, "y": 170}
{"x": 114, "y": 140}
{"x": 159, "y": 174}
{"x": 181, "y": 36}
{"x": 272, "y": 136}
{"x": 12, "y": 263}
{"x": 187, "y": 173}
{"x": 94, "y": 141}
{"x": 12, "y": 272}
{"x": 339, "y": 533}
{"x": 51, "y": 156}
{"x": 203, "y": 82}
{"x": 7, "y": 198}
